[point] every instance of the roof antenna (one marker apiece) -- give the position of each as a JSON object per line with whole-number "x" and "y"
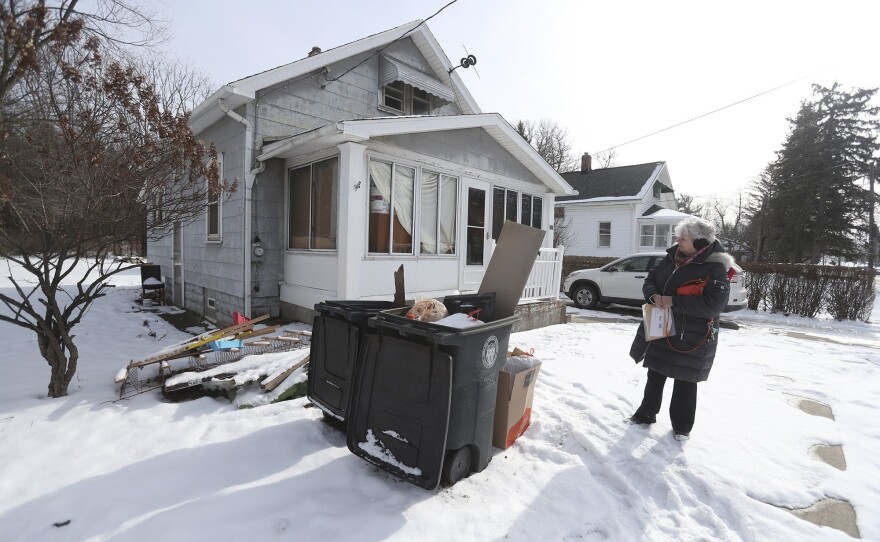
{"x": 467, "y": 62}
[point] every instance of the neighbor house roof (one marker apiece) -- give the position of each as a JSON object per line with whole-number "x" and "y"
{"x": 244, "y": 90}
{"x": 360, "y": 130}
{"x": 626, "y": 182}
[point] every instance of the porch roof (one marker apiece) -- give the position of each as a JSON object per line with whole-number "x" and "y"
{"x": 365, "y": 129}
{"x": 242, "y": 91}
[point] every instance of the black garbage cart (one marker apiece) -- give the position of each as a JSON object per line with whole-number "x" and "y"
{"x": 423, "y": 401}
{"x": 337, "y": 332}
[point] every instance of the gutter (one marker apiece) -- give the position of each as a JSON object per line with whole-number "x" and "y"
{"x": 250, "y": 179}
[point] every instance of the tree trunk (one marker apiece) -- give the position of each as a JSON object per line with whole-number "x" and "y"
{"x": 63, "y": 366}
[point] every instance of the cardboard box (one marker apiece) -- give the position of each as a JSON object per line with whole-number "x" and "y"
{"x": 513, "y": 406}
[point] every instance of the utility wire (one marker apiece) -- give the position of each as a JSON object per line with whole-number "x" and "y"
{"x": 405, "y": 34}
{"x": 707, "y": 114}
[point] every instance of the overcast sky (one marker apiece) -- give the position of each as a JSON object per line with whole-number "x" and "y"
{"x": 608, "y": 71}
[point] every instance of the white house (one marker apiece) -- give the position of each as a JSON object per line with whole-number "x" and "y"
{"x": 618, "y": 210}
{"x": 353, "y": 161}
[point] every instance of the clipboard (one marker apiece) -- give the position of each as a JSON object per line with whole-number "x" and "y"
{"x": 658, "y": 322}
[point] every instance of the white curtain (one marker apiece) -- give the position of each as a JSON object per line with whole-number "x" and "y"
{"x": 402, "y": 187}
{"x": 448, "y": 205}
{"x": 430, "y": 202}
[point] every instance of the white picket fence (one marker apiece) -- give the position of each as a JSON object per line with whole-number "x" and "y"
{"x": 546, "y": 276}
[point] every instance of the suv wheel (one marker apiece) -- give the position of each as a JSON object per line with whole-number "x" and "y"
{"x": 584, "y": 296}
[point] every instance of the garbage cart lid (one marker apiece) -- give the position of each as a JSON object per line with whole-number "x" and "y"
{"x": 399, "y": 416}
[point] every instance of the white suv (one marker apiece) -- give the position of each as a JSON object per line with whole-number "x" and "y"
{"x": 621, "y": 282}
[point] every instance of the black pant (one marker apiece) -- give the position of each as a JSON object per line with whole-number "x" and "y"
{"x": 683, "y": 407}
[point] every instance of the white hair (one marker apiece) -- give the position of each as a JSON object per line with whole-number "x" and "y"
{"x": 696, "y": 228}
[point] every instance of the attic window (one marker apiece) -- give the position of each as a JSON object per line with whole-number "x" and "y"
{"x": 407, "y": 90}
{"x": 398, "y": 97}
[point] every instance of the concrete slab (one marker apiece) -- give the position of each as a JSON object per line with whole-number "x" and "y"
{"x": 832, "y": 455}
{"x": 832, "y": 513}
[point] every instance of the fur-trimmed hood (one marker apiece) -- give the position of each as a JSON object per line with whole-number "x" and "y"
{"x": 721, "y": 257}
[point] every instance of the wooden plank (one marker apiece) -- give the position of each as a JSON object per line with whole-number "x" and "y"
{"x": 196, "y": 342}
{"x": 271, "y": 382}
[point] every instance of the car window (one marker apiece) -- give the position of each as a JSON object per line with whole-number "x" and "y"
{"x": 637, "y": 264}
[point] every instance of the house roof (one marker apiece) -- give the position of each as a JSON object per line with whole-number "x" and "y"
{"x": 363, "y": 129}
{"x": 239, "y": 92}
{"x": 626, "y": 182}
{"x": 663, "y": 214}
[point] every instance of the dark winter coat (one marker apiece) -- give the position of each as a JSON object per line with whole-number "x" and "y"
{"x": 689, "y": 353}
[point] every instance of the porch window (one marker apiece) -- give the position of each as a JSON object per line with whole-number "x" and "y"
{"x": 531, "y": 211}
{"x": 656, "y": 236}
{"x": 504, "y": 207}
{"x": 604, "y": 234}
{"x": 214, "y": 211}
{"x": 313, "y": 205}
{"x": 391, "y": 208}
{"x": 439, "y": 194}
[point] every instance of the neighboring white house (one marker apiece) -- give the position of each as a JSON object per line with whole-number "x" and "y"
{"x": 618, "y": 210}
{"x": 353, "y": 161}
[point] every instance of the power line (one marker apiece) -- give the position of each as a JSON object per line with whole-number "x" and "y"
{"x": 707, "y": 114}
{"x": 405, "y": 34}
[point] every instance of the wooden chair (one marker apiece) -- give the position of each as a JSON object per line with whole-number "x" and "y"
{"x": 151, "y": 279}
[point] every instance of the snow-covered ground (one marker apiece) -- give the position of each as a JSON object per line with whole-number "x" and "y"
{"x": 143, "y": 469}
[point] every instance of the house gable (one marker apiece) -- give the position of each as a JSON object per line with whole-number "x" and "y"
{"x": 616, "y": 182}
{"x": 338, "y": 60}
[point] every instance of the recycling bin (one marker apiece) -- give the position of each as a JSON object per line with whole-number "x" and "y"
{"x": 337, "y": 333}
{"x": 423, "y": 400}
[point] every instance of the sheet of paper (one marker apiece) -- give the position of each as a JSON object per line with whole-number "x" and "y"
{"x": 657, "y": 322}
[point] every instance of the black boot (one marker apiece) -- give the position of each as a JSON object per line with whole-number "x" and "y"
{"x": 639, "y": 418}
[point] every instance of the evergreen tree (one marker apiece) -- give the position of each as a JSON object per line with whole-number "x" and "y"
{"x": 814, "y": 205}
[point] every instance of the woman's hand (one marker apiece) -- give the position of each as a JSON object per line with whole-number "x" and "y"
{"x": 663, "y": 301}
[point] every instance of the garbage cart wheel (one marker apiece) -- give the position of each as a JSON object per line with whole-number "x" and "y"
{"x": 457, "y": 465}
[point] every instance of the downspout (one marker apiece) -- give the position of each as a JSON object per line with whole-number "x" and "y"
{"x": 250, "y": 179}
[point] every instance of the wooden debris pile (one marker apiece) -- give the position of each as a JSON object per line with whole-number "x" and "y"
{"x": 216, "y": 360}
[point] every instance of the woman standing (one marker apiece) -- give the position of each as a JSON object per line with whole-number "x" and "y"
{"x": 691, "y": 280}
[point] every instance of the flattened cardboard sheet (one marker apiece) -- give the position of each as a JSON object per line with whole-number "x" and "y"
{"x": 508, "y": 270}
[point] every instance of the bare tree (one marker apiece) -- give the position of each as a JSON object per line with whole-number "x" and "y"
{"x": 551, "y": 141}
{"x": 89, "y": 140}
{"x": 687, "y": 205}
{"x": 563, "y": 232}
{"x": 607, "y": 158}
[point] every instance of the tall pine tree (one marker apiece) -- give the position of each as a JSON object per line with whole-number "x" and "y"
{"x": 815, "y": 205}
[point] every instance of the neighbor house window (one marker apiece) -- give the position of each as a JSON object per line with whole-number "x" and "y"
{"x": 439, "y": 194}
{"x": 604, "y": 234}
{"x": 656, "y": 236}
{"x": 313, "y": 206}
{"x": 391, "y": 208}
{"x": 214, "y": 210}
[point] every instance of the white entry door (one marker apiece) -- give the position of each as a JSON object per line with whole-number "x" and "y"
{"x": 476, "y": 233}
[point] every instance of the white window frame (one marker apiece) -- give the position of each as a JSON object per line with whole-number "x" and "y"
{"x": 419, "y": 181}
{"x": 600, "y": 235}
{"x": 417, "y": 208}
{"x": 666, "y": 241}
{"x": 406, "y": 100}
{"x": 310, "y": 164}
{"x": 215, "y": 237}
